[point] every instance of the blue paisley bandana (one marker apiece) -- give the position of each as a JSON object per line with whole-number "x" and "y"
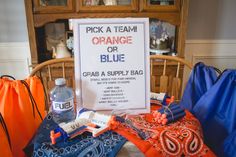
{"x": 106, "y": 145}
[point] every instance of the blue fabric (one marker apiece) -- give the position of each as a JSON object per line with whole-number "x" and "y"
{"x": 216, "y": 111}
{"x": 201, "y": 79}
{"x": 230, "y": 145}
{"x": 106, "y": 145}
{"x": 212, "y": 101}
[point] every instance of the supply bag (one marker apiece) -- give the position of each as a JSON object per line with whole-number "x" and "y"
{"x": 201, "y": 80}
{"x": 22, "y": 107}
{"x": 230, "y": 145}
{"x": 5, "y": 149}
{"x": 216, "y": 110}
{"x": 38, "y": 93}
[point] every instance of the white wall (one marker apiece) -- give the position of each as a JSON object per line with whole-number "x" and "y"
{"x": 14, "y": 46}
{"x": 14, "y": 59}
{"x": 212, "y": 20}
{"x": 13, "y": 26}
{"x": 218, "y": 53}
{"x": 211, "y": 34}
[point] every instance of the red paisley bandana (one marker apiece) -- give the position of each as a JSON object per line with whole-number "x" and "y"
{"x": 181, "y": 138}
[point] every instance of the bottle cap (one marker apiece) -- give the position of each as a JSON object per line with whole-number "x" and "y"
{"x": 60, "y": 81}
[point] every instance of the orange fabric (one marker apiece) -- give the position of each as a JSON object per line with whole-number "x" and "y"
{"x": 17, "y": 111}
{"x": 37, "y": 91}
{"x": 182, "y": 138}
{"x": 5, "y": 150}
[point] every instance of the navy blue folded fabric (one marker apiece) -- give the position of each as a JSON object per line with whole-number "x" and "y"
{"x": 106, "y": 145}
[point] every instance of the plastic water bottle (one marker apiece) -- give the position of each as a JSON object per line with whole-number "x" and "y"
{"x": 62, "y": 102}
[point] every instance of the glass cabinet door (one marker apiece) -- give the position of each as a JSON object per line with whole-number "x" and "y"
{"x": 107, "y": 5}
{"x": 160, "y": 5}
{"x": 53, "y": 6}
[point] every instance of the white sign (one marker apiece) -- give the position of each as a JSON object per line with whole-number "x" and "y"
{"x": 112, "y": 63}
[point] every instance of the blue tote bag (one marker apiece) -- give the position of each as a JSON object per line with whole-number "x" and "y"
{"x": 230, "y": 145}
{"x": 201, "y": 80}
{"x": 216, "y": 110}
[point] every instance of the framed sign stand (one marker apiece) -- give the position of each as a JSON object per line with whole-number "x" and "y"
{"x": 112, "y": 63}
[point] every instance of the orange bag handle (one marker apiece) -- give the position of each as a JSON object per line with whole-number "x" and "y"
{"x": 9, "y": 76}
{"x": 44, "y": 90}
{"x": 34, "y": 104}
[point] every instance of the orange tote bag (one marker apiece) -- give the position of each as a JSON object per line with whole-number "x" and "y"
{"x": 5, "y": 150}
{"x": 19, "y": 109}
{"x": 38, "y": 93}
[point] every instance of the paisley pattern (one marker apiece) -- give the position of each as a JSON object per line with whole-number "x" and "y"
{"x": 184, "y": 141}
{"x": 182, "y": 138}
{"x": 194, "y": 143}
{"x": 106, "y": 145}
{"x": 169, "y": 143}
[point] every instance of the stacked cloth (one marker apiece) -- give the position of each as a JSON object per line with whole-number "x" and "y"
{"x": 168, "y": 114}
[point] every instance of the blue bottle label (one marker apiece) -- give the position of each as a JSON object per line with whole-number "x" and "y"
{"x": 63, "y": 106}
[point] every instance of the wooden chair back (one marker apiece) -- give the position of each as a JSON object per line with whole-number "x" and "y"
{"x": 49, "y": 70}
{"x": 166, "y": 74}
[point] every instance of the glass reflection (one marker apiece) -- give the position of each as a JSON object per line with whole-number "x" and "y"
{"x": 162, "y": 2}
{"x": 53, "y": 2}
{"x": 106, "y": 2}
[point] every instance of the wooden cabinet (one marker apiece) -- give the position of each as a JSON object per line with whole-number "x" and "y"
{"x": 41, "y": 13}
